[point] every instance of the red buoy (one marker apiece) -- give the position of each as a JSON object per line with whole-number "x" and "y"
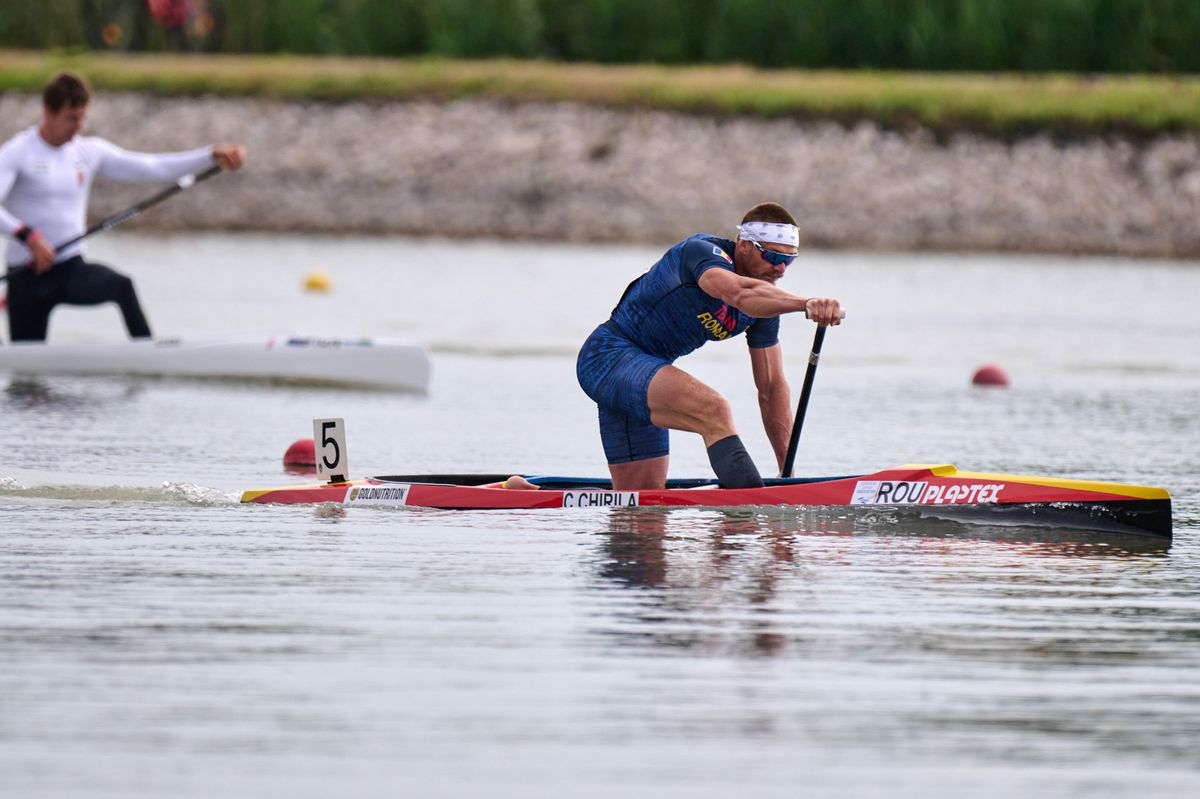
{"x": 302, "y": 452}
{"x": 990, "y": 375}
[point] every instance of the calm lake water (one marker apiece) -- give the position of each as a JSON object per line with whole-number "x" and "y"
{"x": 158, "y": 639}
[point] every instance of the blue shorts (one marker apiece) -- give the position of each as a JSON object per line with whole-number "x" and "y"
{"x": 616, "y": 374}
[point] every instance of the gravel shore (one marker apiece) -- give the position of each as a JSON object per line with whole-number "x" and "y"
{"x": 571, "y": 172}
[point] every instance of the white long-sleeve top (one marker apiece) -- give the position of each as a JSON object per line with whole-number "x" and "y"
{"x": 47, "y": 187}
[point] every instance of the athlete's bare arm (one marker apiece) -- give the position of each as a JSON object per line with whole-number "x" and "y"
{"x": 774, "y": 397}
{"x": 760, "y": 298}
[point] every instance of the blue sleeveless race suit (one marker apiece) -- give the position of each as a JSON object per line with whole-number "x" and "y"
{"x": 662, "y": 316}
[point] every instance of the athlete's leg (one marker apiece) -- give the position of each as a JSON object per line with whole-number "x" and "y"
{"x": 637, "y": 451}
{"x": 681, "y": 402}
{"x": 643, "y": 475}
{"x": 27, "y": 321}
{"x": 30, "y": 300}
{"x": 93, "y": 284}
{"x": 616, "y": 374}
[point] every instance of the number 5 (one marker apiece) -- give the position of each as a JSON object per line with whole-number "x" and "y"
{"x": 331, "y": 435}
{"x": 330, "y": 441}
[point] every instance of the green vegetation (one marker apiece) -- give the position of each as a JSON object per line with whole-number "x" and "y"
{"x": 995, "y": 104}
{"x": 1091, "y": 36}
{"x": 997, "y": 66}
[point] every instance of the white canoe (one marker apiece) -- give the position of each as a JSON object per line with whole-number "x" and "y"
{"x": 374, "y": 363}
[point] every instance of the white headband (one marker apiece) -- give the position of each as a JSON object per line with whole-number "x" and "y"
{"x": 771, "y": 232}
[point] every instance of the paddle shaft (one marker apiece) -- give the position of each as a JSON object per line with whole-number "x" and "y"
{"x": 802, "y": 407}
{"x": 185, "y": 182}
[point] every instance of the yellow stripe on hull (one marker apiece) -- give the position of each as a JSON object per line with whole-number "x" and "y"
{"x": 252, "y": 494}
{"x": 1141, "y": 492}
{"x": 255, "y": 493}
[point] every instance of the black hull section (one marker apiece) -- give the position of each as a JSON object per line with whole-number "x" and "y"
{"x": 1129, "y": 516}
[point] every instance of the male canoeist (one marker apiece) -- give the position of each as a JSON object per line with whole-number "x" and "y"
{"x": 46, "y": 173}
{"x": 705, "y": 288}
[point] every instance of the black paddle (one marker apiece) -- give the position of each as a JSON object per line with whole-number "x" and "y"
{"x": 185, "y": 182}
{"x": 802, "y": 407}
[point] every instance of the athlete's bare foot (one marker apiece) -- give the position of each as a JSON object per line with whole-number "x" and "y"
{"x": 519, "y": 483}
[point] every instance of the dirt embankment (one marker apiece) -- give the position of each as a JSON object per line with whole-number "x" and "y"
{"x": 571, "y": 172}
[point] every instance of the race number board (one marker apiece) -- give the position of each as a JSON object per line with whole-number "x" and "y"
{"x": 329, "y": 436}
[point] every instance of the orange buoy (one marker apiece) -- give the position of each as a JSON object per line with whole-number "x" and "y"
{"x": 990, "y": 375}
{"x": 302, "y": 452}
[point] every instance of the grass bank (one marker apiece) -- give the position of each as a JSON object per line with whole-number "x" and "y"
{"x": 1001, "y": 105}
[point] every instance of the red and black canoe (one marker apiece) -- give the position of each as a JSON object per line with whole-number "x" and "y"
{"x": 933, "y": 490}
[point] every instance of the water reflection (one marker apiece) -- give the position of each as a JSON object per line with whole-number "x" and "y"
{"x": 29, "y": 393}
{"x": 638, "y": 539}
{"x": 697, "y": 569}
{"x": 747, "y": 581}
{"x": 25, "y": 393}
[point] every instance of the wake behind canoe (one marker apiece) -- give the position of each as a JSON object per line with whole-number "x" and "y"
{"x": 933, "y": 490}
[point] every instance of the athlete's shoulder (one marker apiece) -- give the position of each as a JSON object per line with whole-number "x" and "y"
{"x": 706, "y": 242}
{"x": 17, "y": 143}
{"x": 95, "y": 144}
{"x": 702, "y": 252}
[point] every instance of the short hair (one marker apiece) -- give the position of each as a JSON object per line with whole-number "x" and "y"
{"x": 769, "y": 212}
{"x": 66, "y": 89}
